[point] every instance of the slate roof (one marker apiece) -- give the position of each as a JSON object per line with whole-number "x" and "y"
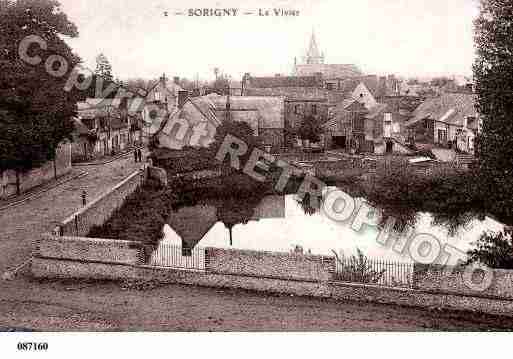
{"x": 375, "y": 85}
{"x": 80, "y": 128}
{"x": 270, "y": 109}
{"x": 376, "y": 111}
{"x": 284, "y": 81}
{"x": 171, "y": 88}
{"x": 461, "y": 106}
{"x": 98, "y": 107}
{"x": 206, "y": 106}
{"x": 328, "y": 71}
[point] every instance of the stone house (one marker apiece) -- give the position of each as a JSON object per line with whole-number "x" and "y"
{"x": 447, "y": 121}
{"x": 195, "y": 120}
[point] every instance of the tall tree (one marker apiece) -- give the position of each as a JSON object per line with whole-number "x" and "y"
{"x": 35, "y": 109}
{"x": 493, "y": 71}
{"x": 103, "y": 68}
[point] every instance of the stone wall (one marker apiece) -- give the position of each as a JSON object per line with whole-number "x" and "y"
{"x": 306, "y": 275}
{"x": 89, "y": 249}
{"x": 51, "y": 268}
{"x": 37, "y": 176}
{"x": 99, "y": 210}
{"x": 451, "y": 280}
{"x": 270, "y": 264}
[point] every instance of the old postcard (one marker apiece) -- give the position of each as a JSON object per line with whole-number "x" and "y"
{"x": 240, "y": 166}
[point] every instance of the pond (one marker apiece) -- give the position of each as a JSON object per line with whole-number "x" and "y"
{"x": 279, "y": 223}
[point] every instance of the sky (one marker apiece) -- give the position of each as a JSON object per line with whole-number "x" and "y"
{"x": 405, "y": 37}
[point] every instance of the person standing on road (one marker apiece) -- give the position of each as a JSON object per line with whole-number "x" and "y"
{"x": 135, "y": 155}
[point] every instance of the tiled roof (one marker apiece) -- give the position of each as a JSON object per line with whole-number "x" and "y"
{"x": 452, "y": 108}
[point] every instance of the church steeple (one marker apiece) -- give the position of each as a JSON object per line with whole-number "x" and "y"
{"x": 313, "y": 55}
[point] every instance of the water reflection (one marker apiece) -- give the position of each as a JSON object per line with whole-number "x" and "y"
{"x": 282, "y": 223}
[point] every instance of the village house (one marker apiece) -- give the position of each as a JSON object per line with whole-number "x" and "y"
{"x": 202, "y": 115}
{"x": 105, "y": 127}
{"x": 297, "y": 109}
{"x": 362, "y": 124}
{"x": 160, "y": 102}
{"x": 447, "y": 121}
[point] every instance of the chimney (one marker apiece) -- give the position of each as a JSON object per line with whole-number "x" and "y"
{"x": 163, "y": 80}
{"x": 176, "y": 80}
{"x": 182, "y": 98}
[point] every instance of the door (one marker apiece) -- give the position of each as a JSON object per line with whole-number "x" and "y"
{"x": 389, "y": 147}
{"x": 339, "y": 142}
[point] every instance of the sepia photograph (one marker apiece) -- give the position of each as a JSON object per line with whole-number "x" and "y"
{"x": 268, "y": 170}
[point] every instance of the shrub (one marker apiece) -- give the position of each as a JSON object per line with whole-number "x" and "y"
{"x": 494, "y": 250}
{"x": 357, "y": 268}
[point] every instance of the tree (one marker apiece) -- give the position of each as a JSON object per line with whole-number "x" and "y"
{"x": 103, "y": 68}
{"x": 493, "y": 73}
{"x": 35, "y": 110}
{"x": 310, "y": 129}
{"x": 239, "y": 130}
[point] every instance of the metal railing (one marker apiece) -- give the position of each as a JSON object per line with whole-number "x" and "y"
{"x": 175, "y": 256}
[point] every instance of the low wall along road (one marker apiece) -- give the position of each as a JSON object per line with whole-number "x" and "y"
{"x": 66, "y": 253}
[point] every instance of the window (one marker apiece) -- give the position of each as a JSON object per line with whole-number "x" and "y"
{"x": 442, "y": 136}
{"x": 297, "y": 109}
{"x": 387, "y": 125}
{"x": 330, "y": 86}
{"x": 314, "y": 109}
{"x": 158, "y": 95}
